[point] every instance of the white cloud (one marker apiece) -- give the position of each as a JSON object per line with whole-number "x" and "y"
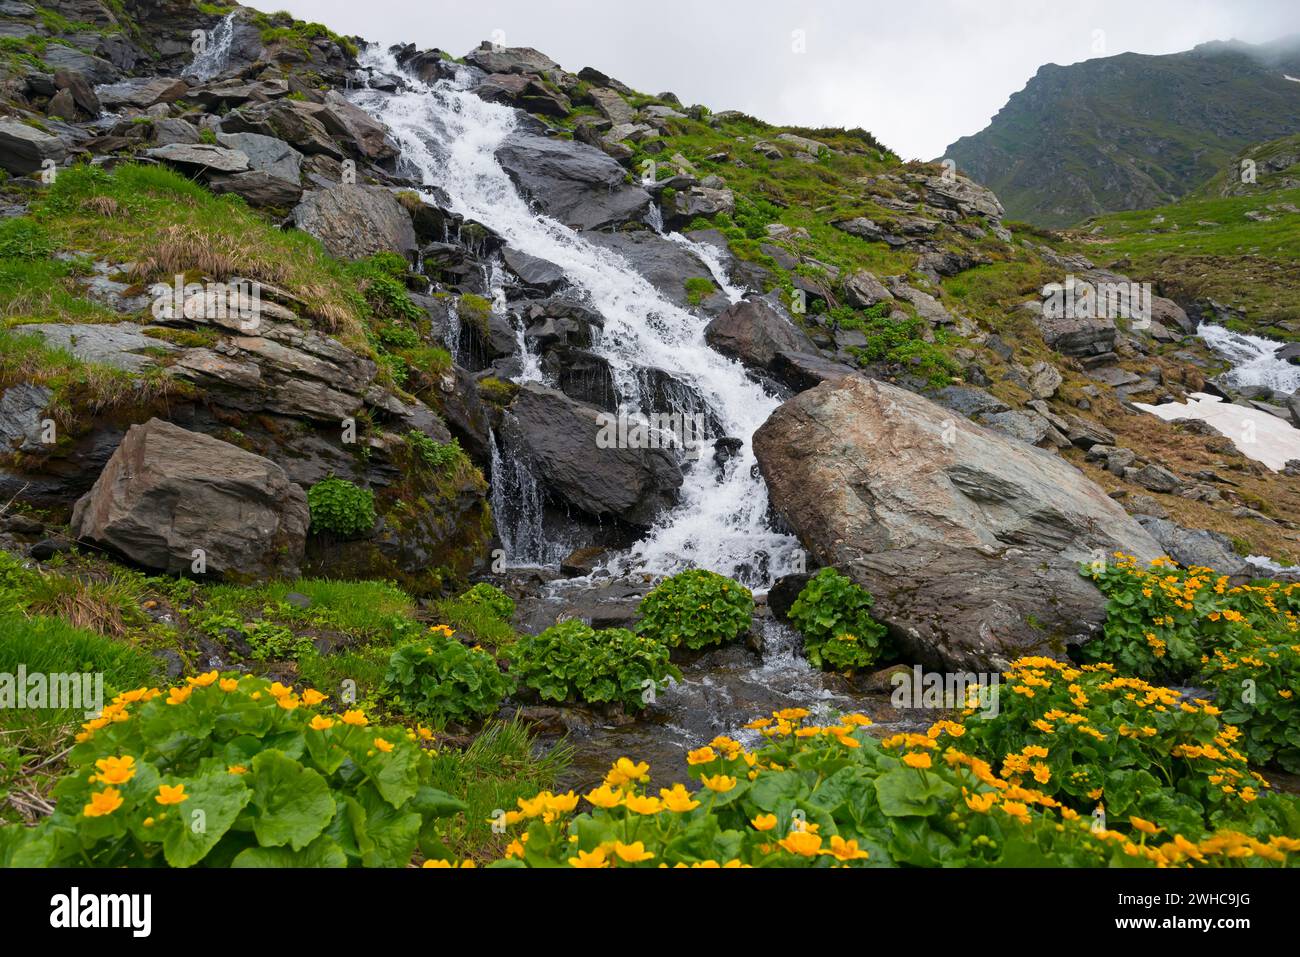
{"x": 918, "y": 74}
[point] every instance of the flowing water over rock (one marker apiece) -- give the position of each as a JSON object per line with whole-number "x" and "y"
{"x": 216, "y": 54}
{"x": 1254, "y": 359}
{"x": 450, "y": 137}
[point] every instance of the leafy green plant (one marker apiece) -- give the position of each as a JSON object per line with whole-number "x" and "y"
{"x": 277, "y": 783}
{"x": 834, "y": 616}
{"x": 832, "y": 795}
{"x": 491, "y": 598}
{"x": 25, "y": 239}
{"x": 1088, "y": 737}
{"x": 341, "y": 508}
{"x": 439, "y": 679}
{"x": 1162, "y": 620}
{"x": 1258, "y": 688}
{"x": 695, "y": 609}
{"x": 571, "y": 661}
{"x": 435, "y": 455}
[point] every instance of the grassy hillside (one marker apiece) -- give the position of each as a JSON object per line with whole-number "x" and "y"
{"x": 1130, "y": 131}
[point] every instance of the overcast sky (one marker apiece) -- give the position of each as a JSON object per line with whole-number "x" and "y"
{"x": 917, "y": 73}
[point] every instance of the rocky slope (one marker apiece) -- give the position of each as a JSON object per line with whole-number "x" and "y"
{"x": 1131, "y": 131}
{"x": 946, "y": 439}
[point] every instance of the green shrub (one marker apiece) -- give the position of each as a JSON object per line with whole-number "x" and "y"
{"x": 695, "y": 609}
{"x": 17, "y": 583}
{"x": 434, "y": 455}
{"x": 834, "y": 617}
{"x": 1258, "y": 688}
{"x": 278, "y": 784}
{"x": 501, "y": 605}
{"x": 1085, "y": 736}
{"x": 440, "y": 680}
{"x": 340, "y": 508}
{"x": 1161, "y": 621}
{"x": 573, "y": 662}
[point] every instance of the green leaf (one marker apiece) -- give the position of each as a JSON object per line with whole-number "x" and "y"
{"x": 215, "y": 800}
{"x": 321, "y": 852}
{"x": 292, "y": 804}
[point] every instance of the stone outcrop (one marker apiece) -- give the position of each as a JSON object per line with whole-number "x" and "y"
{"x": 168, "y": 493}
{"x": 356, "y": 221}
{"x": 559, "y": 438}
{"x": 971, "y": 542}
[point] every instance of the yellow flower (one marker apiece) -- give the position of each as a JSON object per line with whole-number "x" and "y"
{"x": 237, "y": 769}
{"x": 228, "y": 684}
{"x": 764, "y": 822}
{"x": 357, "y": 718}
{"x": 701, "y": 756}
{"x": 279, "y": 691}
{"x": 321, "y": 723}
{"x": 383, "y": 745}
{"x": 1146, "y": 827}
{"x": 311, "y": 697}
{"x": 203, "y": 681}
{"x": 803, "y": 843}
{"x": 846, "y": 850}
{"x": 180, "y": 695}
{"x": 981, "y": 802}
{"x": 634, "y": 853}
{"x": 288, "y": 702}
{"x": 719, "y": 782}
{"x": 917, "y": 760}
{"x": 625, "y": 771}
{"x": 639, "y": 804}
{"x": 561, "y": 803}
{"x": 595, "y": 858}
{"x": 116, "y": 770}
{"x": 103, "y": 802}
{"x": 171, "y": 794}
{"x": 604, "y": 796}
{"x": 677, "y": 799}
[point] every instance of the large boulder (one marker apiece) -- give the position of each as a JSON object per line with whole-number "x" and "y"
{"x": 356, "y": 126}
{"x": 167, "y": 492}
{"x": 495, "y": 58}
{"x": 755, "y": 331}
{"x": 572, "y": 182}
{"x": 353, "y": 222}
{"x": 970, "y": 541}
{"x": 558, "y": 436}
{"x": 142, "y": 92}
{"x": 24, "y": 149}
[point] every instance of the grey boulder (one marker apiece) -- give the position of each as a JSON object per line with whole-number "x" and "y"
{"x": 169, "y": 497}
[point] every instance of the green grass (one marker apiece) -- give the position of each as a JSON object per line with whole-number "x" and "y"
{"x": 168, "y": 226}
{"x": 475, "y": 624}
{"x": 1208, "y": 248}
{"x": 497, "y": 769}
{"x": 361, "y": 609}
{"x": 50, "y": 645}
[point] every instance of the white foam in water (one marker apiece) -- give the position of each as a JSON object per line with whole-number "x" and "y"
{"x": 1254, "y": 359}
{"x": 216, "y": 55}
{"x": 450, "y": 137}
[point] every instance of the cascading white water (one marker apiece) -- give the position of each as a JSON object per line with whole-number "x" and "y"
{"x": 216, "y": 52}
{"x": 1254, "y": 359}
{"x": 449, "y": 137}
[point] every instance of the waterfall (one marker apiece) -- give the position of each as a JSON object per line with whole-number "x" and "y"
{"x": 449, "y": 137}
{"x": 1254, "y": 359}
{"x": 516, "y": 500}
{"x": 216, "y": 53}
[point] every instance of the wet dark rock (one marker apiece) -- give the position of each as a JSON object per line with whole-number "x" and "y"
{"x": 558, "y": 436}
{"x": 755, "y": 331}
{"x": 575, "y": 183}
